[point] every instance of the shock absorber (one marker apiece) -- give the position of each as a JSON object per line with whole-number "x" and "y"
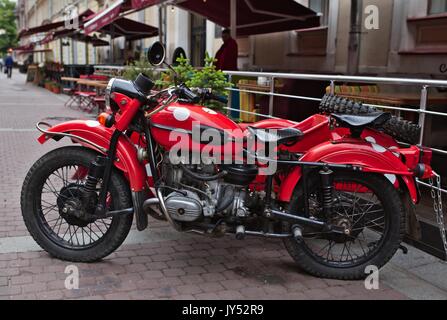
{"x": 95, "y": 174}
{"x": 327, "y": 191}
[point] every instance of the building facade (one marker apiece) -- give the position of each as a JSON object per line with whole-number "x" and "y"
{"x": 397, "y": 37}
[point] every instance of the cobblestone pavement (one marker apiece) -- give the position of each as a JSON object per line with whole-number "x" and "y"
{"x": 160, "y": 263}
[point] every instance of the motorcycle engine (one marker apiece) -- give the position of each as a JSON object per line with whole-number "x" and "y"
{"x": 194, "y": 200}
{"x": 184, "y": 206}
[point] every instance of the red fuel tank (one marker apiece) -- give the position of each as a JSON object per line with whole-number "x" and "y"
{"x": 182, "y": 120}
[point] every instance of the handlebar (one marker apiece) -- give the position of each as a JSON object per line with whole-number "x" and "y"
{"x": 220, "y": 99}
{"x": 194, "y": 95}
{"x": 187, "y": 93}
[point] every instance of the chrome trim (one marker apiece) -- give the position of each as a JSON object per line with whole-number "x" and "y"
{"x": 165, "y": 210}
{"x": 49, "y": 134}
{"x": 302, "y": 76}
{"x": 265, "y": 235}
{"x": 108, "y": 92}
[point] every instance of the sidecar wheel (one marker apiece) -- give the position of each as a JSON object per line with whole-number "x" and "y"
{"x": 370, "y": 207}
{"x": 52, "y": 182}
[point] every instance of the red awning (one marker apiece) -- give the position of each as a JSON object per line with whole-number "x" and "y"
{"x": 255, "y": 16}
{"x": 42, "y": 28}
{"x": 132, "y": 30}
{"x": 29, "y": 46}
{"x": 34, "y": 51}
{"x": 48, "y": 38}
{"x": 80, "y": 37}
{"x": 141, "y": 4}
{"x": 104, "y": 17}
{"x": 52, "y": 26}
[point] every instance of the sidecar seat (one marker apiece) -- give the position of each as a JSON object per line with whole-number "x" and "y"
{"x": 357, "y": 123}
{"x": 279, "y": 136}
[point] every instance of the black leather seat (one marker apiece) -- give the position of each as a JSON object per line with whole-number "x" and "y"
{"x": 376, "y": 119}
{"x": 278, "y": 136}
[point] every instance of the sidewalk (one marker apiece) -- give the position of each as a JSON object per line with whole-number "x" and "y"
{"x": 161, "y": 263}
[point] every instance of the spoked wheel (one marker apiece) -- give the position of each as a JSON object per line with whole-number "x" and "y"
{"x": 369, "y": 207}
{"x": 56, "y": 215}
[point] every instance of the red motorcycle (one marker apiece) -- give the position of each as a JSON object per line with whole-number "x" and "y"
{"x": 338, "y": 196}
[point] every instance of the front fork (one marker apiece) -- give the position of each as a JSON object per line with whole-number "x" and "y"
{"x": 101, "y": 169}
{"x": 107, "y": 174}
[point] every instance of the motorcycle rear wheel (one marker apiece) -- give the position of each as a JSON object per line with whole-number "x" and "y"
{"x": 377, "y": 231}
{"x": 55, "y": 178}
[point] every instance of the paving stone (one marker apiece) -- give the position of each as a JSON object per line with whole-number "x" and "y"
{"x": 3, "y": 281}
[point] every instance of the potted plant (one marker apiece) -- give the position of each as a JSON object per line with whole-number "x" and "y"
{"x": 47, "y": 84}
{"x": 133, "y": 69}
{"x": 208, "y": 77}
{"x": 56, "y": 88}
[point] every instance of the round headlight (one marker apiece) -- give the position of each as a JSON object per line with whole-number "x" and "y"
{"x": 108, "y": 92}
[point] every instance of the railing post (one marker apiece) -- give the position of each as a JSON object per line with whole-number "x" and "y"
{"x": 230, "y": 97}
{"x": 271, "y": 100}
{"x": 422, "y": 109}
{"x": 332, "y": 87}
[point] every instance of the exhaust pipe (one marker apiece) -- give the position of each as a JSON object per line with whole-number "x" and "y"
{"x": 162, "y": 205}
{"x": 150, "y": 203}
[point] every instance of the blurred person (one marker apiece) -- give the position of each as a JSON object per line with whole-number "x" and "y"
{"x": 9, "y": 64}
{"x": 227, "y": 55}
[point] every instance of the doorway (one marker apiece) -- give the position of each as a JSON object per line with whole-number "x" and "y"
{"x": 198, "y": 40}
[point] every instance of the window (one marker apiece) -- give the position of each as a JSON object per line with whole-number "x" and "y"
{"x": 321, "y": 7}
{"x": 437, "y": 6}
{"x": 316, "y": 5}
{"x": 218, "y": 31}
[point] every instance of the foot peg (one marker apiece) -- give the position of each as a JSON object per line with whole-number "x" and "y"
{"x": 297, "y": 233}
{"x": 240, "y": 233}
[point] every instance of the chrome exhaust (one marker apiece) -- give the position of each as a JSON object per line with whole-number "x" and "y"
{"x": 164, "y": 210}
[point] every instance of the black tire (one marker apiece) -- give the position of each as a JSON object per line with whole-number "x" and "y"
{"x": 398, "y": 128}
{"x": 32, "y": 211}
{"x": 386, "y": 247}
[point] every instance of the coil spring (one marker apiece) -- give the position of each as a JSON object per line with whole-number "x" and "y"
{"x": 327, "y": 191}
{"x": 328, "y": 197}
{"x": 96, "y": 172}
{"x": 90, "y": 185}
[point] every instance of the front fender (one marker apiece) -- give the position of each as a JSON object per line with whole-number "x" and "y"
{"x": 371, "y": 157}
{"x": 127, "y": 160}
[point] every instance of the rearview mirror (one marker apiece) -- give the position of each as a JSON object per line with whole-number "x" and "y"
{"x": 156, "y": 54}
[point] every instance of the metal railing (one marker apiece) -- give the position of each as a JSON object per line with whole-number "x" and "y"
{"x": 332, "y": 80}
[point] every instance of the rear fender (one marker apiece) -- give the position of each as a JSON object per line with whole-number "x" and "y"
{"x": 127, "y": 160}
{"x": 371, "y": 157}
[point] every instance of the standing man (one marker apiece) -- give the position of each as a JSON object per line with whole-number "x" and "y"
{"x": 227, "y": 55}
{"x": 9, "y": 63}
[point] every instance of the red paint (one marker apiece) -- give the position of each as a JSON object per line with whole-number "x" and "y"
{"x": 100, "y": 135}
{"x": 129, "y": 109}
{"x": 380, "y": 154}
{"x": 360, "y": 154}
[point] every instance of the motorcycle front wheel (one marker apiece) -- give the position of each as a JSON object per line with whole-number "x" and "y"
{"x": 366, "y": 204}
{"x": 54, "y": 181}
